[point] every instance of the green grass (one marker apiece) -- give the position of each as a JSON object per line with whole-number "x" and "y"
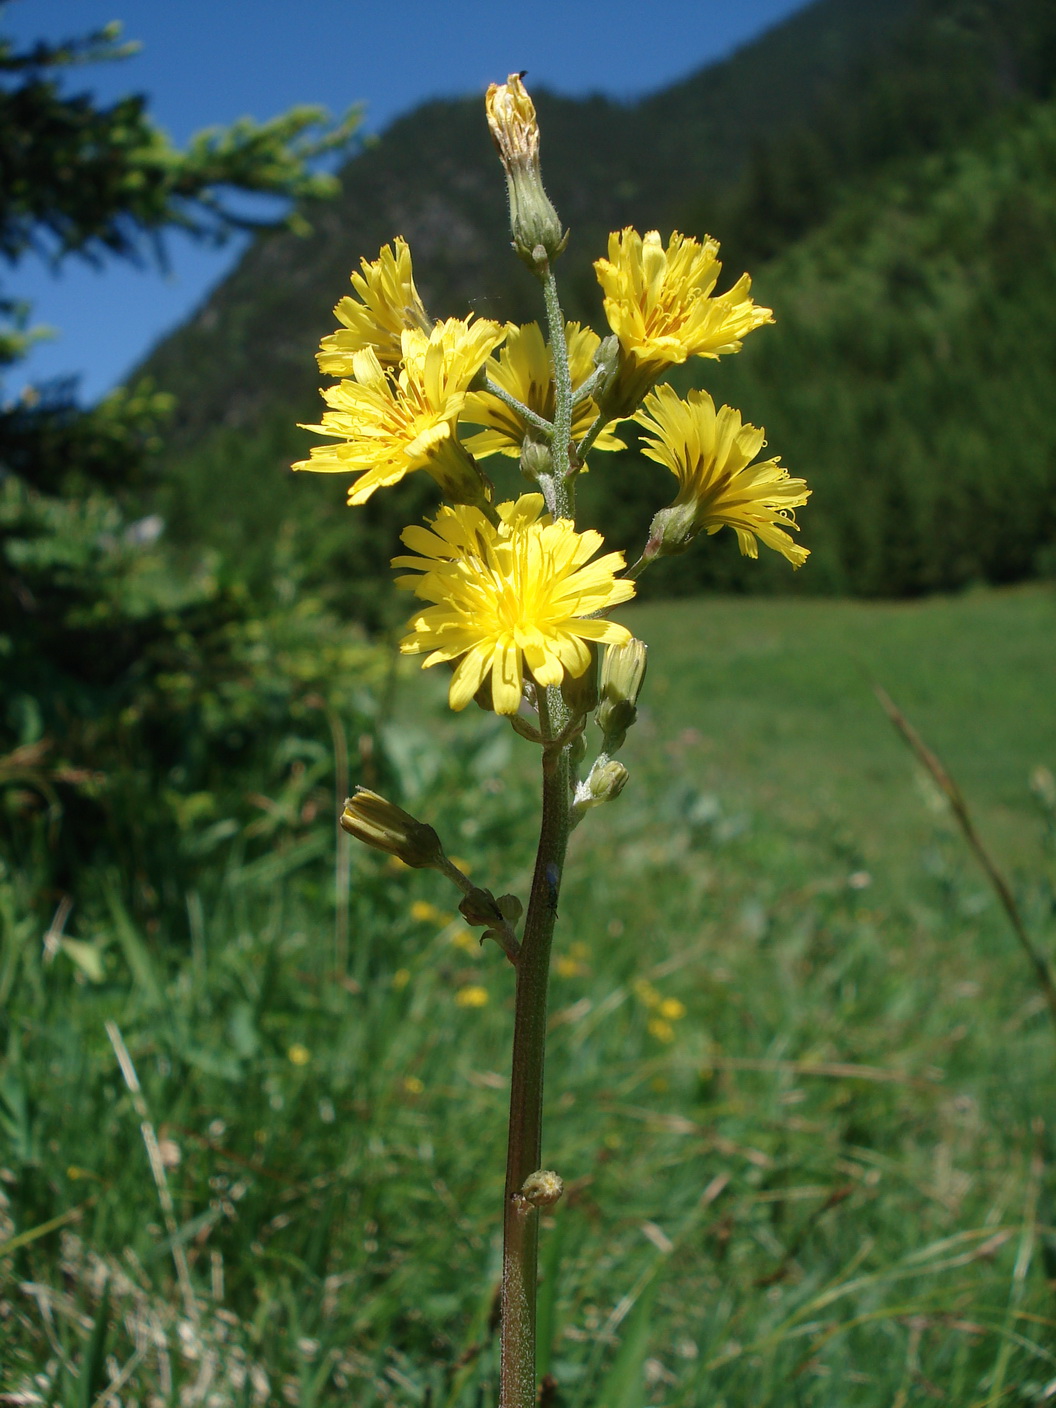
{"x": 827, "y": 1183}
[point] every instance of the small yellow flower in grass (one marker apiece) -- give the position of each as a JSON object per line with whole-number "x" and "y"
{"x": 472, "y": 996}
{"x": 660, "y": 305}
{"x": 646, "y": 993}
{"x": 387, "y": 302}
{"x": 709, "y": 453}
{"x": 569, "y": 967}
{"x": 520, "y": 597}
{"x": 422, "y": 912}
{"x": 299, "y": 1055}
{"x": 662, "y": 1029}
{"x": 672, "y": 1009}
{"x": 524, "y": 368}
{"x": 390, "y": 424}
{"x": 467, "y": 942}
{"x": 412, "y": 1085}
{"x": 401, "y": 978}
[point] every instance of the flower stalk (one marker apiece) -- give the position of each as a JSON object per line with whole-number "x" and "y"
{"x": 512, "y": 597}
{"x": 520, "y": 1256}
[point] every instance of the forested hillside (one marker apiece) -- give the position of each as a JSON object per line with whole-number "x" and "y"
{"x": 886, "y": 174}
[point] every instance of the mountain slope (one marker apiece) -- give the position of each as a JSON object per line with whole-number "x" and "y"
{"x": 908, "y": 378}
{"x": 433, "y": 177}
{"x": 821, "y": 154}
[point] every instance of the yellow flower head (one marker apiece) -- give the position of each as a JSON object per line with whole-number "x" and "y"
{"x": 387, "y": 303}
{"x": 525, "y": 369}
{"x": 709, "y": 452}
{"x": 472, "y": 996}
{"x": 660, "y": 305}
{"x": 509, "y": 598}
{"x": 388, "y": 425}
{"x": 422, "y": 912}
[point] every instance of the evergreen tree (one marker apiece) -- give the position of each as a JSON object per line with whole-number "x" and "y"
{"x": 111, "y": 645}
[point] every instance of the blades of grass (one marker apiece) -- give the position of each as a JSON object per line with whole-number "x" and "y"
{"x": 479, "y": 1335}
{"x": 137, "y": 955}
{"x": 15, "y": 936}
{"x": 87, "y": 958}
{"x": 31, "y": 1234}
{"x": 93, "y": 1361}
{"x": 157, "y": 1168}
{"x": 963, "y": 817}
{"x": 546, "y": 1304}
{"x": 622, "y": 1385}
{"x": 1024, "y": 1256}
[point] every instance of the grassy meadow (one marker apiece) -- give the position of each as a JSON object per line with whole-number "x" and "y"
{"x": 800, "y": 1082}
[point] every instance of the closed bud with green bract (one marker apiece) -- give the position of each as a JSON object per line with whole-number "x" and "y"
{"x": 534, "y": 223}
{"x": 580, "y": 692}
{"x": 605, "y": 782}
{"x": 622, "y": 677}
{"x": 387, "y": 827}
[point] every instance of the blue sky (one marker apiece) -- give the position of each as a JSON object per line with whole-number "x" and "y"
{"x": 210, "y": 61}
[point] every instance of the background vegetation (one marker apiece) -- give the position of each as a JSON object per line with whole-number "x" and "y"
{"x": 800, "y": 1080}
{"x": 801, "y": 1084}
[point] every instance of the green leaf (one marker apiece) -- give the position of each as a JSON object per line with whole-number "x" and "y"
{"x": 87, "y": 957}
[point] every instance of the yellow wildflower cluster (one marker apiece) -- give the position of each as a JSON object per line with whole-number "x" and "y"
{"x": 664, "y": 1012}
{"x": 517, "y": 598}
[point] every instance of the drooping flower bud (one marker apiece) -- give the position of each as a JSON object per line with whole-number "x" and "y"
{"x": 387, "y": 827}
{"x": 534, "y": 223}
{"x": 622, "y": 677}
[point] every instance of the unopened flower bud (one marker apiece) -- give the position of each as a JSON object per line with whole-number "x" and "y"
{"x": 387, "y": 827}
{"x": 534, "y": 223}
{"x": 480, "y": 907}
{"x": 580, "y": 693}
{"x": 672, "y": 530}
{"x": 499, "y": 915}
{"x": 536, "y": 460}
{"x": 622, "y": 677}
{"x": 577, "y": 751}
{"x": 607, "y": 361}
{"x": 604, "y": 783}
{"x": 542, "y": 1189}
{"x": 460, "y": 477}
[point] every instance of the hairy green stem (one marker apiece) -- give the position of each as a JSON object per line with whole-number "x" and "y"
{"x": 520, "y": 1252}
{"x": 586, "y": 388}
{"x": 585, "y": 445}
{"x": 560, "y": 492}
{"x": 521, "y": 1220}
{"x": 525, "y": 412}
